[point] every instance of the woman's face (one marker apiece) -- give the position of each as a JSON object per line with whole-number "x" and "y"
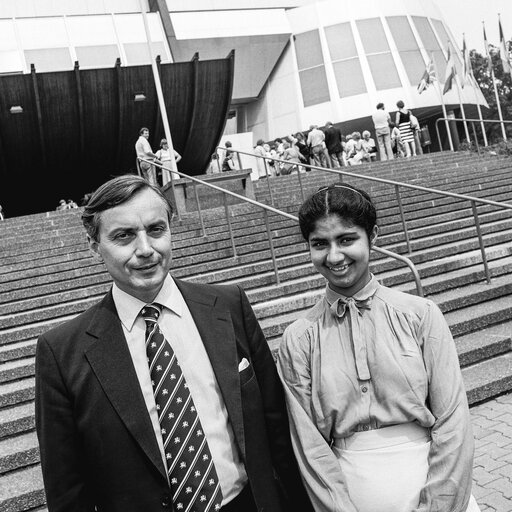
{"x": 340, "y": 251}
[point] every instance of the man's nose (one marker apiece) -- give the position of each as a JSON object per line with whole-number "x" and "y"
{"x": 144, "y": 247}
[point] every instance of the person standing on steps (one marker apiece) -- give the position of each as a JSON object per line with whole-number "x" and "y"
{"x": 381, "y": 120}
{"x": 378, "y": 410}
{"x": 164, "y": 395}
{"x": 144, "y": 151}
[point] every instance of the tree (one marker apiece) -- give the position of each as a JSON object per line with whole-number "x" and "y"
{"x": 483, "y": 77}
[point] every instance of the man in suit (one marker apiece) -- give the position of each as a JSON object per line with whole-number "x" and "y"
{"x": 220, "y": 438}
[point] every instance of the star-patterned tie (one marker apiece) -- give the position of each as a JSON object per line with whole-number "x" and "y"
{"x": 192, "y": 474}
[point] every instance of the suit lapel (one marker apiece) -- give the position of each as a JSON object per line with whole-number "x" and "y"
{"x": 111, "y": 362}
{"x": 216, "y": 330}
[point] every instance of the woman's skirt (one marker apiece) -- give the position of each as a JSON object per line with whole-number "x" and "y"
{"x": 385, "y": 469}
{"x": 406, "y": 133}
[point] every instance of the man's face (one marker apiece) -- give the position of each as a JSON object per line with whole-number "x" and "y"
{"x": 135, "y": 244}
{"x": 145, "y": 134}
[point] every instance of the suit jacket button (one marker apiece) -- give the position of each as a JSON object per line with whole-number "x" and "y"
{"x": 166, "y": 500}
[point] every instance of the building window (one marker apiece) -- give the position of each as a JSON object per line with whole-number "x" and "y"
{"x": 430, "y": 44}
{"x": 407, "y": 46}
{"x": 138, "y": 53}
{"x": 310, "y": 61}
{"x": 376, "y": 47}
{"x": 49, "y": 59}
{"x": 345, "y": 60}
{"x": 444, "y": 38}
{"x": 104, "y": 55}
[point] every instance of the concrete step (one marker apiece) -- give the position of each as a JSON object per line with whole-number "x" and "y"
{"x": 17, "y": 369}
{"x": 19, "y": 451}
{"x": 17, "y": 419}
{"x": 22, "y": 490}
{"x": 16, "y": 392}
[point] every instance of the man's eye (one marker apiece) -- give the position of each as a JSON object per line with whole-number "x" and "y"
{"x": 122, "y": 236}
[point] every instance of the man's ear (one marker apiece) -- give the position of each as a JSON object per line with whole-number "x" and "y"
{"x": 374, "y": 235}
{"x": 94, "y": 247}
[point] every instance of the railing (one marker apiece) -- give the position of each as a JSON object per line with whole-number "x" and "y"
{"x": 266, "y": 208}
{"x": 473, "y": 200}
{"x": 472, "y": 121}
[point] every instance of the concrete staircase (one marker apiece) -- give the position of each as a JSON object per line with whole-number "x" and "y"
{"x": 48, "y": 276}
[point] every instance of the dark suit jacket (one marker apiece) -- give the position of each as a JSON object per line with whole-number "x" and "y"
{"x": 333, "y": 140}
{"x": 98, "y": 448}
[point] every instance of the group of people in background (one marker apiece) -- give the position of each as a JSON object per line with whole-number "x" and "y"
{"x": 66, "y": 205}
{"x": 328, "y": 147}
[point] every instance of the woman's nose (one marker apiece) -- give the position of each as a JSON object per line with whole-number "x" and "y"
{"x": 335, "y": 254}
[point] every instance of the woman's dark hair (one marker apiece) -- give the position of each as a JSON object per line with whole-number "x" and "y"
{"x": 351, "y": 204}
{"x": 260, "y": 142}
{"x": 113, "y": 193}
{"x": 400, "y": 104}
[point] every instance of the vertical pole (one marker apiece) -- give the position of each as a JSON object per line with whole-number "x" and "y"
{"x": 445, "y": 114}
{"x": 300, "y": 184}
{"x": 272, "y": 250}
{"x": 199, "y": 209}
{"x": 268, "y": 182}
{"x": 230, "y": 228}
{"x": 402, "y": 216}
{"x": 481, "y": 242}
{"x": 159, "y": 92}
{"x": 482, "y": 125}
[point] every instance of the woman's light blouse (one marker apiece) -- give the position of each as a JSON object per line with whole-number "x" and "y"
{"x": 379, "y": 358}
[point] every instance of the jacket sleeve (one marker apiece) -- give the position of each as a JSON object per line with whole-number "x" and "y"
{"x": 276, "y": 418}
{"x": 448, "y": 486}
{"x": 59, "y": 443}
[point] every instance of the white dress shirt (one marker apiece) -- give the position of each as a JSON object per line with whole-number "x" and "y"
{"x": 178, "y": 327}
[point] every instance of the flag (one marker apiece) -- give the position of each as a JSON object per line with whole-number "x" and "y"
{"x": 467, "y": 70}
{"x": 450, "y": 73}
{"x": 507, "y": 67}
{"x": 488, "y": 53}
{"x": 428, "y": 77}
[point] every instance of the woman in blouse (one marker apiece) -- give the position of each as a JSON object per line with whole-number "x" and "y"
{"x": 378, "y": 411}
{"x": 403, "y": 121}
{"x": 164, "y": 155}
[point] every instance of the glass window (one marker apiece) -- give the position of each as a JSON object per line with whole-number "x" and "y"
{"x": 402, "y": 33}
{"x": 10, "y": 62}
{"x": 97, "y": 56}
{"x": 414, "y": 65}
{"x": 137, "y": 53}
{"x": 372, "y": 35}
{"x": 384, "y": 71}
{"x": 444, "y": 38}
{"x": 349, "y": 77}
{"x": 430, "y": 43}
{"x": 308, "y": 49}
{"x": 49, "y": 59}
{"x": 340, "y": 40}
{"x": 313, "y": 83}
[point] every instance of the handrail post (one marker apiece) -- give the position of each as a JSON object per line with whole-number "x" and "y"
{"x": 438, "y": 134}
{"x": 199, "y": 209}
{"x": 230, "y": 228}
{"x": 272, "y": 250}
{"x": 402, "y": 216}
{"x": 178, "y": 213}
{"x": 481, "y": 242}
{"x": 476, "y": 138}
{"x": 268, "y": 182}
{"x": 300, "y": 184}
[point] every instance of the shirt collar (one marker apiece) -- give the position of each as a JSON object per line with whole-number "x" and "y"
{"x": 363, "y": 294}
{"x": 128, "y": 307}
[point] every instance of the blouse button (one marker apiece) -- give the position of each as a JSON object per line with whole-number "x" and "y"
{"x": 364, "y": 389}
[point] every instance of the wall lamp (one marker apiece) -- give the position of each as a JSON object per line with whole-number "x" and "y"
{"x": 139, "y": 96}
{"x": 16, "y": 109}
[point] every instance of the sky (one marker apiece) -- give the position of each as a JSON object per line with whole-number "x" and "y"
{"x": 466, "y": 16}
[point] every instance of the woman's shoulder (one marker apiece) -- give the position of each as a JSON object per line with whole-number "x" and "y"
{"x": 297, "y": 332}
{"x": 404, "y": 303}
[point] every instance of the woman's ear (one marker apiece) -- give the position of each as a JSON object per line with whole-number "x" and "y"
{"x": 374, "y": 235}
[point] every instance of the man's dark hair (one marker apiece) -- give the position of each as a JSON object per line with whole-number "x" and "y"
{"x": 142, "y": 130}
{"x": 380, "y": 106}
{"x": 113, "y": 193}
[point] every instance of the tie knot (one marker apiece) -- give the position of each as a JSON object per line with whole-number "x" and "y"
{"x": 151, "y": 312}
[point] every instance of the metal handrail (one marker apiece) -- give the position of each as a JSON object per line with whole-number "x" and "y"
{"x": 472, "y": 121}
{"x": 397, "y": 184}
{"x": 266, "y": 208}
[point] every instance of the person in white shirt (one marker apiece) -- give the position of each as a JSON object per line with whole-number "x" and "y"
{"x": 381, "y": 120}
{"x": 144, "y": 151}
{"x": 164, "y": 155}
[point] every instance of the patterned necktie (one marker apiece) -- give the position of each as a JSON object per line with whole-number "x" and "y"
{"x": 192, "y": 474}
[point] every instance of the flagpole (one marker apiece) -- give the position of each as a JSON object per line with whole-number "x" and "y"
{"x": 489, "y": 61}
{"x": 438, "y": 87}
{"x": 507, "y": 65}
{"x": 457, "y": 82}
{"x": 468, "y": 73}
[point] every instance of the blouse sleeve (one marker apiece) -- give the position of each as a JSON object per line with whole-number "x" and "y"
{"x": 318, "y": 465}
{"x": 448, "y": 486}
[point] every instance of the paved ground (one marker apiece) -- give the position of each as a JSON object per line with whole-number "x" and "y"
{"x": 492, "y": 473}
